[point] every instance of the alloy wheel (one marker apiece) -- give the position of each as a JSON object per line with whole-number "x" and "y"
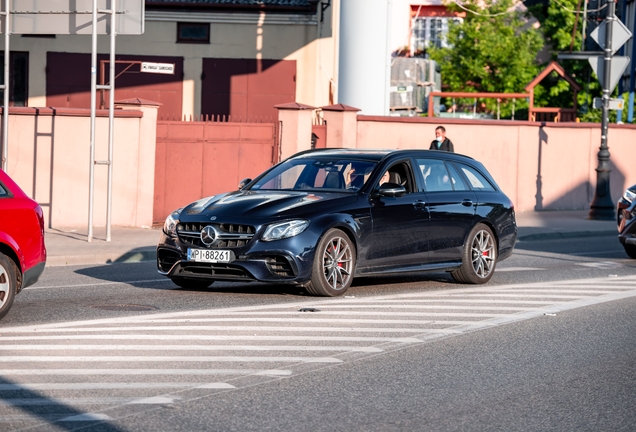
{"x": 337, "y": 263}
{"x": 483, "y": 254}
{"x": 5, "y": 286}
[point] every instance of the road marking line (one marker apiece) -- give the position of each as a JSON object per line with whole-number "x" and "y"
{"x": 136, "y": 372}
{"x": 55, "y": 418}
{"x": 514, "y": 269}
{"x": 435, "y": 300}
{"x": 412, "y": 306}
{"x": 562, "y": 291}
{"x": 184, "y": 347}
{"x": 110, "y": 386}
{"x": 212, "y": 338}
{"x": 278, "y": 329}
{"x": 533, "y": 296}
{"x": 157, "y": 400}
{"x": 601, "y": 265}
{"x": 85, "y": 417}
{"x": 66, "y": 402}
{"x": 195, "y": 359}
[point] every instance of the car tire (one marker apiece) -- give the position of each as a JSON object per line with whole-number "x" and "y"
{"x": 479, "y": 258}
{"x": 192, "y": 283}
{"x": 334, "y": 265}
{"x": 8, "y": 283}
{"x": 630, "y": 250}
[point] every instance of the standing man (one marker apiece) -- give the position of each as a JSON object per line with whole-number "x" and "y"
{"x": 441, "y": 142}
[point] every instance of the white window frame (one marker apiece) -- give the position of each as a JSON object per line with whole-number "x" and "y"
{"x": 425, "y": 35}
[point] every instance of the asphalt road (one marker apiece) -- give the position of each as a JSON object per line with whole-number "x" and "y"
{"x": 548, "y": 344}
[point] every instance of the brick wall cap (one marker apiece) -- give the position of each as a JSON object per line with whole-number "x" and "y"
{"x": 138, "y": 102}
{"x": 340, "y": 107}
{"x": 294, "y": 106}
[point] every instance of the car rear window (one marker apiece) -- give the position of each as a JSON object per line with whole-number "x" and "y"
{"x": 476, "y": 179}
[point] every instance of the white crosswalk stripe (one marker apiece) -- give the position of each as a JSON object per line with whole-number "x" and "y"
{"x": 88, "y": 371}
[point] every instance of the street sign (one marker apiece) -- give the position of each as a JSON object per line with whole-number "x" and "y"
{"x": 160, "y": 68}
{"x": 620, "y": 35}
{"x": 614, "y": 104}
{"x": 619, "y": 64}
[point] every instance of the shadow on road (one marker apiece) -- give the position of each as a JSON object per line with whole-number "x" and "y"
{"x": 54, "y": 413}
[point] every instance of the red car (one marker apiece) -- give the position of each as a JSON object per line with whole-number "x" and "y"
{"x": 22, "y": 250}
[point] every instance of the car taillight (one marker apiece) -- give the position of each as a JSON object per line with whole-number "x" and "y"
{"x": 40, "y": 215}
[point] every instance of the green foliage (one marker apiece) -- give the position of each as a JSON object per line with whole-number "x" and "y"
{"x": 557, "y": 24}
{"x": 494, "y": 49}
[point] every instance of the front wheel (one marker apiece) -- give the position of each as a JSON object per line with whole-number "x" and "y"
{"x": 8, "y": 283}
{"x": 630, "y": 250}
{"x": 479, "y": 258}
{"x": 334, "y": 265}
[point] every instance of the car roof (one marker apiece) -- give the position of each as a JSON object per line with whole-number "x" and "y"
{"x": 376, "y": 154}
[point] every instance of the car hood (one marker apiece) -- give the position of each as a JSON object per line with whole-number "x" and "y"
{"x": 263, "y": 205}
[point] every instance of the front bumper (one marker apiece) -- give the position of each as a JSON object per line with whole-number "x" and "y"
{"x": 626, "y": 221}
{"x": 287, "y": 261}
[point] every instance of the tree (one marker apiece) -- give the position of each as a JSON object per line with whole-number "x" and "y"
{"x": 557, "y": 19}
{"x": 494, "y": 49}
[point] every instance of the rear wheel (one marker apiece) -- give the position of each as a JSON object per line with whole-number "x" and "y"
{"x": 479, "y": 258}
{"x": 8, "y": 283}
{"x": 334, "y": 265}
{"x": 192, "y": 283}
{"x": 631, "y": 251}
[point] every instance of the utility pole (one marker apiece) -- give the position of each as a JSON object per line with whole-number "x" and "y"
{"x": 602, "y": 206}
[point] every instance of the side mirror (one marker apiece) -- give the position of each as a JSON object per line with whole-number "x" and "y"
{"x": 390, "y": 190}
{"x": 244, "y": 183}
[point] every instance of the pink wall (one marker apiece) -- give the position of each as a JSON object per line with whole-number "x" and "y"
{"x": 49, "y": 157}
{"x": 540, "y": 166}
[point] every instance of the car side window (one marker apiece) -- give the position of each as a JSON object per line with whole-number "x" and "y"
{"x": 476, "y": 179}
{"x": 458, "y": 182}
{"x": 3, "y": 191}
{"x": 400, "y": 174}
{"x": 436, "y": 176}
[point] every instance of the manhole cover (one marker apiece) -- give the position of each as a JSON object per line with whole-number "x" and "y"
{"x": 124, "y": 307}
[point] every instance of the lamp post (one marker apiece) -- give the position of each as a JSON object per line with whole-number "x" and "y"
{"x": 602, "y": 206}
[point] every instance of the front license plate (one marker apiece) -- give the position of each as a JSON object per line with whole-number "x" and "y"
{"x": 210, "y": 256}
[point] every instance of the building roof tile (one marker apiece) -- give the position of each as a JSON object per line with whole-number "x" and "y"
{"x": 258, "y": 3}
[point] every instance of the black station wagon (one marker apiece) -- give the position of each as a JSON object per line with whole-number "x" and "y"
{"x": 323, "y": 217}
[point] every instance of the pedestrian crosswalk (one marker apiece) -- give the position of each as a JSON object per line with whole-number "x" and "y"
{"x": 102, "y": 370}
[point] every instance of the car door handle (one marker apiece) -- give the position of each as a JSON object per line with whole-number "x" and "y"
{"x": 419, "y": 204}
{"x": 467, "y": 202}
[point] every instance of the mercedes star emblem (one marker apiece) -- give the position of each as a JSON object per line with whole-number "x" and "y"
{"x": 208, "y": 235}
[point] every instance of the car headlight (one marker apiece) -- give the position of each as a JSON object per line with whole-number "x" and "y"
{"x": 283, "y": 230}
{"x": 629, "y": 196}
{"x": 170, "y": 225}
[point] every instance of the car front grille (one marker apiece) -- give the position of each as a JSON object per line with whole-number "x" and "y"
{"x": 229, "y": 235}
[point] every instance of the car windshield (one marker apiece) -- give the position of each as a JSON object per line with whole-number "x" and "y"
{"x": 317, "y": 173}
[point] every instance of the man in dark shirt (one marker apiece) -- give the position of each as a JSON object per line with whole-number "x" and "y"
{"x": 441, "y": 142}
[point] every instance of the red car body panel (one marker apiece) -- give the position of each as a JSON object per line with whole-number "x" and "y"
{"x": 22, "y": 231}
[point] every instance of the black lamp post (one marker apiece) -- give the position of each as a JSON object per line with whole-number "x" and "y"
{"x": 602, "y": 206}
